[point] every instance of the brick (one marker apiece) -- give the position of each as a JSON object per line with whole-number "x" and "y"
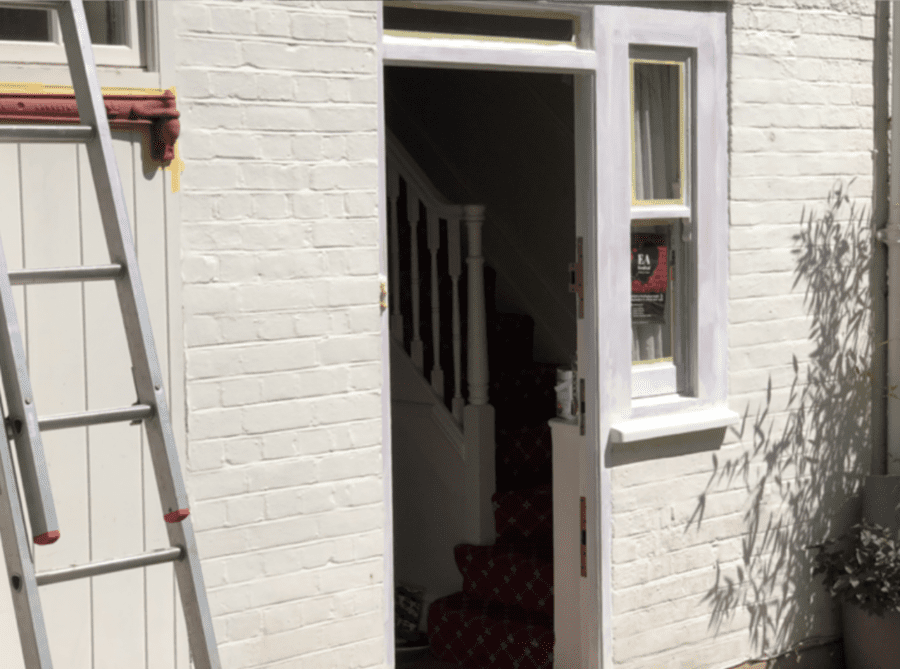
{"x": 364, "y": 433}
{"x": 273, "y": 22}
{"x": 259, "y": 419}
{"x": 243, "y": 625}
{"x": 342, "y": 577}
{"x": 212, "y": 173}
{"x": 276, "y": 117}
{"x": 281, "y": 295}
{"x": 193, "y": 16}
{"x": 194, "y": 84}
{"x": 279, "y": 445}
{"x": 274, "y": 176}
{"x": 307, "y": 26}
{"x": 223, "y": 53}
{"x": 274, "y": 146}
{"x": 348, "y": 465}
{"x": 236, "y": 84}
{"x": 199, "y": 268}
{"x": 205, "y": 454}
{"x": 365, "y": 377}
{"x": 308, "y": 205}
{"x": 348, "y": 349}
{"x": 267, "y": 476}
{"x": 337, "y": 118}
{"x": 277, "y": 56}
{"x": 362, "y": 29}
{"x": 231, "y": 20}
{"x": 244, "y": 510}
{"x": 284, "y": 531}
{"x": 234, "y": 206}
{"x": 204, "y": 396}
{"x": 342, "y": 176}
{"x": 237, "y": 329}
{"x": 340, "y": 233}
{"x": 242, "y": 451}
{"x": 214, "y": 423}
{"x": 271, "y": 206}
{"x": 201, "y": 330}
{"x": 278, "y": 86}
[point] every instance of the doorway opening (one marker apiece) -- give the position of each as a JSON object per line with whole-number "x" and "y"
{"x": 471, "y": 436}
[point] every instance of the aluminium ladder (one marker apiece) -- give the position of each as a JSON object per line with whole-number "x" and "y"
{"x": 23, "y": 425}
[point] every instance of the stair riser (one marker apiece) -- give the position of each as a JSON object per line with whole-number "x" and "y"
{"x": 526, "y": 514}
{"x": 507, "y": 577}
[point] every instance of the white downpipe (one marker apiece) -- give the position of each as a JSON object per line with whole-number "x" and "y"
{"x": 891, "y": 237}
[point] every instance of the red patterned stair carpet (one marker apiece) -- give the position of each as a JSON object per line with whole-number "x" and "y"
{"x": 503, "y": 618}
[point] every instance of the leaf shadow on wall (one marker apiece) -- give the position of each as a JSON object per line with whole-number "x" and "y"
{"x": 801, "y": 477}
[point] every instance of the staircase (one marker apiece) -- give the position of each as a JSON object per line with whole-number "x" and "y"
{"x": 503, "y": 617}
{"x": 489, "y": 452}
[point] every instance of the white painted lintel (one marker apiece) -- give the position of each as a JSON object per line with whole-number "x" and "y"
{"x": 433, "y": 52}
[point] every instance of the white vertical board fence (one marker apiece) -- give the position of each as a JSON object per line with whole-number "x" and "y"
{"x": 102, "y": 477}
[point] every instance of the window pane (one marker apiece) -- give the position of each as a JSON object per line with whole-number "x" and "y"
{"x": 29, "y": 25}
{"x": 652, "y": 298}
{"x": 478, "y": 24}
{"x": 106, "y": 23}
{"x": 657, "y": 131}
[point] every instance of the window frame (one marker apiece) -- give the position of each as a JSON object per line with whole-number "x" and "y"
{"x": 625, "y": 33}
{"x": 671, "y": 376}
{"x": 135, "y": 53}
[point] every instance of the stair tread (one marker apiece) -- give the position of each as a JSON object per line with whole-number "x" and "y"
{"x": 478, "y": 633}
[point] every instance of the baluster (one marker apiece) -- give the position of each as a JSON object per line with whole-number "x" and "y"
{"x": 455, "y": 269}
{"x": 477, "y": 345}
{"x": 412, "y": 215}
{"x": 434, "y": 243}
{"x": 393, "y": 195}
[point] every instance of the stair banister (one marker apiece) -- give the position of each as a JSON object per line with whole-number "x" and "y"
{"x": 474, "y": 416}
{"x": 434, "y": 244}
{"x": 412, "y": 216}
{"x": 454, "y": 268}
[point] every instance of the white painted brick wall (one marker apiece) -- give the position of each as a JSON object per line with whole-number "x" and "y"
{"x": 689, "y": 566}
{"x": 281, "y": 327}
{"x": 280, "y": 262}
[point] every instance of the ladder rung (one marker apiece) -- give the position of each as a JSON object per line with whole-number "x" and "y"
{"x": 136, "y": 412}
{"x": 20, "y": 277}
{"x": 110, "y": 566}
{"x": 45, "y": 133}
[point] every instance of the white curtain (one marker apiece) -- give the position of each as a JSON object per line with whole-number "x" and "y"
{"x": 657, "y": 145}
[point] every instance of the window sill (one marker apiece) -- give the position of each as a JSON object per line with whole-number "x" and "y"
{"x": 641, "y": 429}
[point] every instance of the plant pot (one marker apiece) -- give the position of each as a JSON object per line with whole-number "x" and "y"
{"x": 871, "y": 642}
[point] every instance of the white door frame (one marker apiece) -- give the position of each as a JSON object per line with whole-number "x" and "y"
{"x": 586, "y": 65}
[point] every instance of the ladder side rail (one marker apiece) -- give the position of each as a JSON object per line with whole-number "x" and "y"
{"x": 20, "y": 568}
{"x": 117, "y": 229}
{"x": 147, "y": 373}
{"x": 23, "y": 417}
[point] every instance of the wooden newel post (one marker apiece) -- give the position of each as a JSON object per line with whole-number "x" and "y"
{"x": 477, "y": 343}
{"x": 478, "y": 415}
